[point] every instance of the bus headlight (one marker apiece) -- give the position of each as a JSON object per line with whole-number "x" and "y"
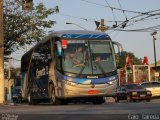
{"x": 110, "y": 83}
{"x": 134, "y": 93}
{"x": 70, "y": 83}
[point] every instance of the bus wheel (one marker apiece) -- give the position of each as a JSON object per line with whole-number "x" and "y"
{"x": 30, "y": 100}
{"x": 129, "y": 98}
{"x": 134, "y": 100}
{"x": 52, "y": 95}
{"x": 116, "y": 99}
{"x": 148, "y": 100}
{"x": 64, "y": 102}
{"x": 53, "y": 99}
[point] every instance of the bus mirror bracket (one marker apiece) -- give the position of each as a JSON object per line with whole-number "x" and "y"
{"x": 120, "y": 48}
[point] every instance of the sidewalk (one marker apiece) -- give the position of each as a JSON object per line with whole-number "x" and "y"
{"x": 8, "y": 102}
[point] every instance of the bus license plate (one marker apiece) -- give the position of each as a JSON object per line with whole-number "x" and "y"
{"x": 142, "y": 95}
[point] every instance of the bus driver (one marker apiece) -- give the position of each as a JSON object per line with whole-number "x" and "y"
{"x": 78, "y": 57}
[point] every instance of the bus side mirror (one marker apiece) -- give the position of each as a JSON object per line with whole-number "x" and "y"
{"x": 120, "y": 48}
{"x": 59, "y": 48}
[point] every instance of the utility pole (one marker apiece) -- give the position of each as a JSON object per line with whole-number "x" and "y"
{"x": 1, "y": 55}
{"x": 102, "y": 27}
{"x": 154, "y": 38}
{"x": 154, "y": 46}
{"x": 156, "y": 74}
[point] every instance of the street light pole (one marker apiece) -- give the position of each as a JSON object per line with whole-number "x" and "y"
{"x": 1, "y": 55}
{"x": 76, "y": 25}
{"x": 154, "y": 38}
{"x": 155, "y": 60}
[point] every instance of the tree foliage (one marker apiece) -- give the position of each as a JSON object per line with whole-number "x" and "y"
{"x": 121, "y": 61}
{"x": 24, "y": 27}
{"x": 15, "y": 74}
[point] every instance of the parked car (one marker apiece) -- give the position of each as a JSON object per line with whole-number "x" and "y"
{"x": 153, "y": 86}
{"x": 132, "y": 92}
{"x": 16, "y": 94}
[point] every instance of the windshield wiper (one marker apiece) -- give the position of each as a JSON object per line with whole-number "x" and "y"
{"x": 92, "y": 63}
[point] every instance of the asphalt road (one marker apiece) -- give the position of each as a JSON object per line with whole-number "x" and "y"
{"x": 107, "y": 111}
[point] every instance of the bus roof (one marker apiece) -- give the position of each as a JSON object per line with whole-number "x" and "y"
{"x": 81, "y": 34}
{"x": 73, "y": 34}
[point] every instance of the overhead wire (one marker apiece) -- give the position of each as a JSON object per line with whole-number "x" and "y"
{"x": 139, "y": 22}
{"x": 86, "y": 19}
{"x": 112, "y": 13}
{"x": 122, "y": 9}
{"x": 92, "y": 20}
{"x": 124, "y": 23}
{"x": 143, "y": 13}
{"x": 143, "y": 19}
{"x": 148, "y": 29}
{"x": 126, "y": 19}
{"x": 137, "y": 16}
{"x": 149, "y": 14}
{"x": 129, "y": 22}
{"x": 135, "y": 22}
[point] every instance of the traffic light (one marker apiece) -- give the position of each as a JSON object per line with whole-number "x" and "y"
{"x": 97, "y": 24}
{"x": 27, "y": 5}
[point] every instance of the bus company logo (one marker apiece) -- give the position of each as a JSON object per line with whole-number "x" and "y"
{"x": 92, "y": 76}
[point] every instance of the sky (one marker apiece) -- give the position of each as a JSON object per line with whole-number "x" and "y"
{"x": 75, "y": 11}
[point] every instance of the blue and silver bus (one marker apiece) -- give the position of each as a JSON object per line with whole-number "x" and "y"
{"x": 70, "y": 65}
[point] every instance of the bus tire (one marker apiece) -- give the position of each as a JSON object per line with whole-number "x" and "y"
{"x": 52, "y": 94}
{"x": 134, "y": 100}
{"x": 30, "y": 100}
{"x": 53, "y": 99}
{"x": 64, "y": 102}
{"x": 129, "y": 98}
{"x": 148, "y": 100}
{"x": 116, "y": 99}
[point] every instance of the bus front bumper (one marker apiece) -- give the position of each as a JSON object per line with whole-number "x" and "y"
{"x": 88, "y": 90}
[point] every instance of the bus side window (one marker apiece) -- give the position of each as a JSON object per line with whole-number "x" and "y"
{"x": 58, "y": 58}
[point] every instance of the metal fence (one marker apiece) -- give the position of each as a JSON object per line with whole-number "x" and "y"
{"x": 140, "y": 73}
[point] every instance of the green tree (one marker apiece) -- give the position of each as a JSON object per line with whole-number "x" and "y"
{"x": 15, "y": 74}
{"x": 24, "y": 27}
{"x": 121, "y": 61}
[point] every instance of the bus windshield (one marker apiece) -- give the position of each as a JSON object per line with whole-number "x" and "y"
{"x": 88, "y": 57}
